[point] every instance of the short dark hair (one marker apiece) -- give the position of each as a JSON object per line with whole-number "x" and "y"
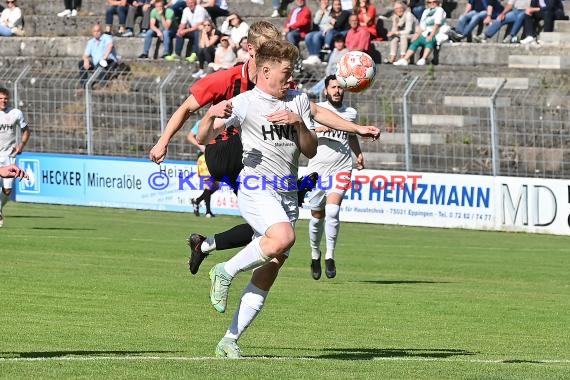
{"x": 338, "y": 38}
{"x": 5, "y": 91}
{"x": 328, "y": 79}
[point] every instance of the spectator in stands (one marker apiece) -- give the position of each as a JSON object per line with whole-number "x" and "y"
{"x": 314, "y": 40}
{"x": 224, "y": 57}
{"x": 431, "y": 23}
{"x": 209, "y": 38}
{"x": 513, "y": 14}
{"x": 120, "y": 8}
{"x": 366, "y": 13}
{"x": 71, "y": 8}
{"x": 279, "y": 7}
{"x": 476, "y": 12}
{"x": 138, "y": 8}
{"x": 357, "y": 38}
{"x": 339, "y": 22}
{"x": 193, "y": 18}
{"x": 236, "y": 28}
{"x": 338, "y": 51}
{"x": 539, "y": 10}
{"x": 403, "y": 26}
{"x": 11, "y": 20}
{"x": 242, "y": 53}
{"x": 99, "y": 52}
{"x": 162, "y": 25}
{"x": 417, "y": 8}
{"x": 216, "y": 8}
{"x": 298, "y": 24}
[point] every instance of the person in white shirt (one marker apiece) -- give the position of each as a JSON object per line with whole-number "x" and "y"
{"x": 236, "y": 28}
{"x": 11, "y": 21}
{"x": 276, "y": 127}
{"x": 193, "y": 16}
{"x": 333, "y": 162}
{"x": 10, "y": 120}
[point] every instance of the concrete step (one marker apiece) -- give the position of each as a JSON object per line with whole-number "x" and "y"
{"x": 443, "y": 120}
{"x": 556, "y": 38}
{"x": 374, "y": 159}
{"x": 512, "y": 83}
{"x": 474, "y": 101}
{"x": 415, "y": 138}
{"x": 562, "y": 25}
{"x": 553, "y": 62}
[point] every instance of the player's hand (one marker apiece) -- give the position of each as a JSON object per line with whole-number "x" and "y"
{"x": 322, "y": 129}
{"x": 12, "y": 171}
{"x": 222, "y": 110}
{"x": 360, "y": 162}
{"x": 368, "y": 131}
{"x": 284, "y": 116}
{"x": 157, "y": 153}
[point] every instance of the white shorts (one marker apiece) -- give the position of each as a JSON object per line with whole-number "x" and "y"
{"x": 263, "y": 208}
{"x": 317, "y": 198}
{"x": 6, "y": 182}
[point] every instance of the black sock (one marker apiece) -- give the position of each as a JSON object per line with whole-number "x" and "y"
{"x": 238, "y": 236}
{"x": 207, "y": 198}
{"x": 205, "y": 193}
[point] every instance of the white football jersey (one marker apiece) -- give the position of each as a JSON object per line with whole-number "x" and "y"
{"x": 270, "y": 151}
{"x": 333, "y": 153}
{"x": 10, "y": 119}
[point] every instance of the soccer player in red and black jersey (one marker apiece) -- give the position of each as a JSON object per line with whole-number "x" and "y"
{"x": 224, "y": 153}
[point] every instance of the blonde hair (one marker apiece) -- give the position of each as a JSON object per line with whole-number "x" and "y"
{"x": 276, "y": 51}
{"x": 262, "y": 31}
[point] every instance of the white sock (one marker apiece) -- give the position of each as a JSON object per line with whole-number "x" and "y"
{"x": 208, "y": 245}
{"x": 248, "y": 258}
{"x": 251, "y": 303}
{"x": 332, "y": 226}
{"x": 315, "y": 236}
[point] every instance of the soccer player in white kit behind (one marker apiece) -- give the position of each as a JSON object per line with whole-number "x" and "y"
{"x": 10, "y": 119}
{"x": 333, "y": 160}
{"x": 275, "y": 126}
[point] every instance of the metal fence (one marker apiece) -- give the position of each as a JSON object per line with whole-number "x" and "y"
{"x": 517, "y": 127}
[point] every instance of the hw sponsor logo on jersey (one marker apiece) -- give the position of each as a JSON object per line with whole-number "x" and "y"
{"x": 32, "y": 168}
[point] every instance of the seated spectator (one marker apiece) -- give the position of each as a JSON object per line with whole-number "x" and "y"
{"x": 476, "y": 12}
{"x": 71, "y": 8}
{"x": 314, "y": 40}
{"x": 357, "y": 38}
{"x": 138, "y": 8}
{"x": 242, "y": 53}
{"x": 298, "y": 24}
{"x": 403, "y": 26}
{"x": 11, "y": 20}
{"x": 236, "y": 28}
{"x": 431, "y": 23}
{"x": 339, "y": 22}
{"x": 216, "y": 8}
{"x": 417, "y": 8}
{"x": 366, "y": 13}
{"x": 119, "y": 7}
{"x": 539, "y": 10}
{"x": 193, "y": 18}
{"x": 225, "y": 57}
{"x": 162, "y": 25}
{"x": 513, "y": 14}
{"x": 338, "y": 51}
{"x": 209, "y": 37}
{"x": 177, "y": 6}
{"x": 99, "y": 52}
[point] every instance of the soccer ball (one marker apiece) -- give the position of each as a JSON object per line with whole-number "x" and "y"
{"x": 355, "y": 71}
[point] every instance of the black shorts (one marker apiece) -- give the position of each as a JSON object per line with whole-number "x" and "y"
{"x": 224, "y": 159}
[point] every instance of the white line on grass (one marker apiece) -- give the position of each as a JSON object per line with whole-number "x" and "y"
{"x": 202, "y": 358}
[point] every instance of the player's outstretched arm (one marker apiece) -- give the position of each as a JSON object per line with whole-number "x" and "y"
{"x": 212, "y": 123}
{"x": 12, "y": 171}
{"x": 332, "y": 120}
{"x": 177, "y": 120}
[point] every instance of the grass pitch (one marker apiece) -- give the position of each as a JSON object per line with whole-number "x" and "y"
{"x": 106, "y": 293}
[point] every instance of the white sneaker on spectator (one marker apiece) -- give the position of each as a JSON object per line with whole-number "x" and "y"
{"x": 420, "y": 62}
{"x": 527, "y": 40}
{"x": 257, "y": 2}
{"x": 312, "y": 60}
{"x": 401, "y": 62}
{"x": 514, "y": 40}
{"x": 65, "y": 13}
{"x": 507, "y": 39}
{"x": 198, "y": 74}
{"x": 127, "y": 33}
{"x": 481, "y": 38}
{"x": 275, "y": 13}
{"x": 73, "y": 13}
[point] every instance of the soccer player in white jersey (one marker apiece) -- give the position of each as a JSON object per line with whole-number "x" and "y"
{"x": 333, "y": 160}
{"x": 275, "y": 126}
{"x": 10, "y": 119}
